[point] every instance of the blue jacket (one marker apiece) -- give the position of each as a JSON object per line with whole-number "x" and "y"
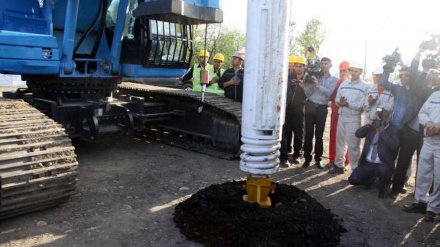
{"x": 402, "y": 99}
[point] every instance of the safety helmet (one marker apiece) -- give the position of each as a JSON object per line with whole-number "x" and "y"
{"x": 378, "y": 70}
{"x": 219, "y": 56}
{"x": 356, "y": 65}
{"x": 292, "y": 59}
{"x": 344, "y": 65}
{"x": 202, "y": 53}
{"x": 301, "y": 60}
{"x": 240, "y": 54}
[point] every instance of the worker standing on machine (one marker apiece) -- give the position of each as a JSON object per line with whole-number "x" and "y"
{"x": 195, "y": 71}
{"x": 232, "y": 79}
{"x": 216, "y": 73}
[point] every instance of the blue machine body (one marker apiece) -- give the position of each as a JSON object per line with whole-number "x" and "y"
{"x": 73, "y": 53}
{"x": 75, "y": 39}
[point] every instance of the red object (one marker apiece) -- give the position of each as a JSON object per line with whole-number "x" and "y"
{"x": 204, "y": 77}
{"x": 344, "y": 65}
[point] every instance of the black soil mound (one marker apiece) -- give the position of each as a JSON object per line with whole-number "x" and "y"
{"x": 218, "y": 216}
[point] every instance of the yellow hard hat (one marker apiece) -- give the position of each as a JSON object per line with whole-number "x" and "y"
{"x": 202, "y": 53}
{"x": 301, "y": 60}
{"x": 292, "y": 59}
{"x": 219, "y": 56}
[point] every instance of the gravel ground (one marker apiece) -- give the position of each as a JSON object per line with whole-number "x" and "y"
{"x": 128, "y": 189}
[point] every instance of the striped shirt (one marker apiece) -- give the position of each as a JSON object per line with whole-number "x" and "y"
{"x": 355, "y": 93}
{"x": 385, "y": 100}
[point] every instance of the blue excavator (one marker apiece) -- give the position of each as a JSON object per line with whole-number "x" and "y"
{"x": 73, "y": 55}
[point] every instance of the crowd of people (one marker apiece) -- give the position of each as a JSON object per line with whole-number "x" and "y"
{"x": 399, "y": 118}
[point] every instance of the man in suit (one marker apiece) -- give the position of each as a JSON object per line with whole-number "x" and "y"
{"x": 382, "y": 141}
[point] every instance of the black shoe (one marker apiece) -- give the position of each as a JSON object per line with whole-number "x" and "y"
{"x": 284, "y": 163}
{"x": 306, "y": 164}
{"x": 404, "y": 190}
{"x": 295, "y": 160}
{"x": 330, "y": 165}
{"x": 336, "y": 170}
{"x": 393, "y": 195}
{"x": 430, "y": 216}
{"x": 416, "y": 207}
{"x": 319, "y": 165}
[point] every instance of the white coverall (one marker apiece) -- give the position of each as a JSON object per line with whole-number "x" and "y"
{"x": 385, "y": 101}
{"x": 349, "y": 121}
{"x": 428, "y": 170}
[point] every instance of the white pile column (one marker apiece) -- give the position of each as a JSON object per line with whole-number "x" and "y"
{"x": 265, "y": 82}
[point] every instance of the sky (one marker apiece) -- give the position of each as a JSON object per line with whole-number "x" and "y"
{"x": 358, "y": 29}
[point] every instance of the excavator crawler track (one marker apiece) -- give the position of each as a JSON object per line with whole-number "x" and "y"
{"x": 38, "y": 167}
{"x": 217, "y": 125}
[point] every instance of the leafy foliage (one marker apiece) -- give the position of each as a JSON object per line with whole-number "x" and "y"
{"x": 220, "y": 39}
{"x": 313, "y": 35}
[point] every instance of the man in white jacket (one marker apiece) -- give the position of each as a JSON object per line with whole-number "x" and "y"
{"x": 428, "y": 170}
{"x": 350, "y": 98}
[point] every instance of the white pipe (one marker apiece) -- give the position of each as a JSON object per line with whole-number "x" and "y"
{"x": 265, "y": 84}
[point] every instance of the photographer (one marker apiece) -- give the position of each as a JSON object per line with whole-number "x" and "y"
{"x": 318, "y": 90}
{"x": 294, "y": 120}
{"x": 379, "y": 152}
{"x": 409, "y": 98}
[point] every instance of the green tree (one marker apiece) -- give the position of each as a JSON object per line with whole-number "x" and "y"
{"x": 220, "y": 39}
{"x": 313, "y": 35}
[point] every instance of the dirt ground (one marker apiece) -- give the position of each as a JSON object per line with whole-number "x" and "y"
{"x": 128, "y": 188}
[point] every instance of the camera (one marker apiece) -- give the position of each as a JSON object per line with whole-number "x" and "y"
{"x": 311, "y": 49}
{"x": 380, "y": 116}
{"x": 392, "y": 60}
{"x": 313, "y": 69}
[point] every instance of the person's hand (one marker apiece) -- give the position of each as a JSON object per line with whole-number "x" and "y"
{"x": 372, "y": 100}
{"x": 235, "y": 81}
{"x": 388, "y": 68}
{"x": 302, "y": 84}
{"x": 315, "y": 81}
{"x": 343, "y": 101}
{"x": 432, "y": 129}
{"x": 214, "y": 80}
{"x": 294, "y": 81}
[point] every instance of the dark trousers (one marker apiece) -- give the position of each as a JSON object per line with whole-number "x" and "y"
{"x": 367, "y": 171}
{"x": 410, "y": 141}
{"x": 315, "y": 116}
{"x": 294, "y": 121}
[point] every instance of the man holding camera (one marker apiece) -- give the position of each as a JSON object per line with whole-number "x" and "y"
{"x": 318, "y": 90}
{"x": 408, "y": 101}
{"x": 379, "y": 152}
{"x": 350, "y": 99}
{"x": 294, "y": 120}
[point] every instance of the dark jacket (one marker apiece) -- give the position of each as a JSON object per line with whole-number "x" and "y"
{"x": 296, "y": 98}
{"x": 388, "y": 144}
{"x": 234, "y": 92}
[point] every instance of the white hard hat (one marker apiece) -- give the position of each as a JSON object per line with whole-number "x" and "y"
{"x": 356, "y": 64}
{"x": 378, "y": 70}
